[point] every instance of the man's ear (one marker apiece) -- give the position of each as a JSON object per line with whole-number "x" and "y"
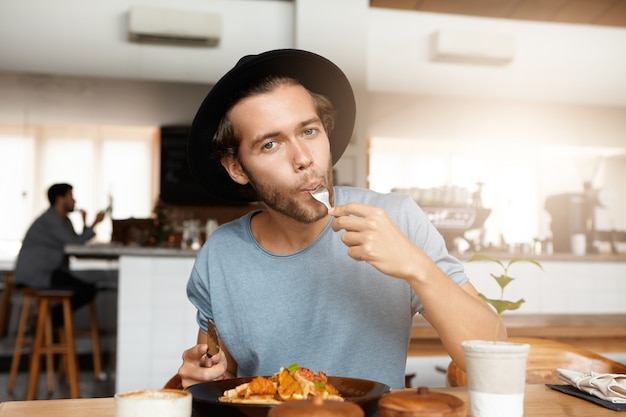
{"x": 234, "y": 169}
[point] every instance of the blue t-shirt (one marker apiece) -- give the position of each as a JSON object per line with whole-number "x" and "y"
{"x": 317, "y": 307}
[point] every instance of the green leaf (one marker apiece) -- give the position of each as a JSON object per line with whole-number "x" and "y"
{"x": 531, "y": 260}
{"x": 503, "y": 280}
{"x": 293, "y": 368}
{"x": 320, "y": 385}
{"x": 482, "y": 257}
{"x": 503, "y": 305}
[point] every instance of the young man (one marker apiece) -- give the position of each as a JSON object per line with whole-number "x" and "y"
{"x": 42, "y": 262}
{"x": 331, "y": 290}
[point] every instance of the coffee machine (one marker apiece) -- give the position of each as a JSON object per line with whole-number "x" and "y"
{"x": 572, "y": 214}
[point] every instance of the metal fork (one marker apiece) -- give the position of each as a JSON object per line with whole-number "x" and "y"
{"x": 321, "y": 195}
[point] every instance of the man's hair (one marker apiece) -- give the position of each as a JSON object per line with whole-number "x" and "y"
{"x": 57, "y": 190}
{"x": 226, "y": 143}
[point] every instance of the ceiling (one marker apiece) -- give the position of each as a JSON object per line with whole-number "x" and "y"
{"x": 566, "y": 63}
{"x": 591, "y": 12}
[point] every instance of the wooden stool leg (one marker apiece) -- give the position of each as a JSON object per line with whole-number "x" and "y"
{"x": 72, "y": 366}
{"x": 19, "y": 343}
{"x": 49, "y": 356}
{"x": 33, "y": 373}
{"x": 62, "y": 366}
{"x": 95, "y": 341}
{"x": 5, "y": 304}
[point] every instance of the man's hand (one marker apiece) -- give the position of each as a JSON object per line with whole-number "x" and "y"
{"x": 197, "y": 367}
{"x": 372, "y": 236}
{"x": 99, "y": 218}
{"x": 83, "y": 215}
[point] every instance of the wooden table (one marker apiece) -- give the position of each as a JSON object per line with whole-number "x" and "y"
{"x": 540, "y": 401}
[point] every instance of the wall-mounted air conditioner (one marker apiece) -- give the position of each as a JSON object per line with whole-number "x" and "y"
{"x": 472, "y": 47}
{"x": 173, "y": 27}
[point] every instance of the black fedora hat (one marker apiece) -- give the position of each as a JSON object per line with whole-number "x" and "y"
{"x": 313, "y": 71}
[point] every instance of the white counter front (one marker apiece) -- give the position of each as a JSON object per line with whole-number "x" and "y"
{"x": 562, "y": 287}
{"x": 156, "y": 321}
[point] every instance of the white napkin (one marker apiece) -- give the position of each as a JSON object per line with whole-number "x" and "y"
{"x": 610, "y": 387}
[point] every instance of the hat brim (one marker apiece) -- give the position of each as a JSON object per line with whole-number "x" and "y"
{"x": 313, "y": 71}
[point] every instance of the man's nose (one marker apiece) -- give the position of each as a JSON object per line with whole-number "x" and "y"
{"x": 302, "y": 156}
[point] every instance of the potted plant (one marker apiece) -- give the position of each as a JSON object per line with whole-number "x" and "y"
{"x": 496, "y": 371}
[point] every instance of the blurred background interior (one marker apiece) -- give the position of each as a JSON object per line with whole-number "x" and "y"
{"x": 505, "y": 120}
{"x": 523, "y": 100}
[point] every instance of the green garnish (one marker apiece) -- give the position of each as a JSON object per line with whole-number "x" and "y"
{"x": 293, "y": 368}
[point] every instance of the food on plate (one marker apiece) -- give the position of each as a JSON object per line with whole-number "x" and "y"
{"x": 288, "y": 384}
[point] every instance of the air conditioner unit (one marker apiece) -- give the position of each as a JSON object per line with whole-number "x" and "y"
{"x": 173, "y": 27}
{"x": 472, "y": 47}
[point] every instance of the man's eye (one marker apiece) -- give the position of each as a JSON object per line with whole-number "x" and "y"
{"x": 269, "y": 145}
{"x": 309, "y": 131}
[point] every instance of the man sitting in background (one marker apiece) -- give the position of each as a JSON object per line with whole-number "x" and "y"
{"x": 42, "y": 262}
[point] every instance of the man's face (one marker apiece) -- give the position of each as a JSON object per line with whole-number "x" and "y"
{"x": 69, "y": 202}
{"x": 284, "y": 151}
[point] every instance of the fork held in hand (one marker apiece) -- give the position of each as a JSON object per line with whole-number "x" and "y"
{"x": 321, "y": 195}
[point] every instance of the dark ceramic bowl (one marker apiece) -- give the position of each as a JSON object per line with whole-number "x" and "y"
{"x": 206, "y": 404}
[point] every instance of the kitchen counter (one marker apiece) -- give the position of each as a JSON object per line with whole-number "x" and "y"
{"x": 555, "y": 257}
{"x": 112, "y": 250}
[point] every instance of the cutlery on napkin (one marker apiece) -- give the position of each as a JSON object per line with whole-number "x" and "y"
{"x": 610, "y": 387}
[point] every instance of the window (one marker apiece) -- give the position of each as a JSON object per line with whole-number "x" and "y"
{"x": 16, "y": 182}
{"x": 516, "y": 179}
{"x": 104, "y": 164}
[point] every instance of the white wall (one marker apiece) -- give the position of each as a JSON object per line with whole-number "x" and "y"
{"x": 388, "y": 48}
{"x": 551, "y": 62}
{"x": 90, "y": 38}
{"x": 566, "y": 83}
{"x": 56, "y": 99}
{"x": 382, "y": 50}
{"x": 495, "y": 120}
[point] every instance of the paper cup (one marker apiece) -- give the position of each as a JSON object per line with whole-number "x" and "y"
{"x": 153, "y": 403}
{"x": 496, "y": 377}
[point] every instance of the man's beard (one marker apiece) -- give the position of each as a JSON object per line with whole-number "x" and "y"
{"x": 281, "y": 202}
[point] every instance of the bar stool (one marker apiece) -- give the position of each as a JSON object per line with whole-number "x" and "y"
{"x": 43, "y": 340}
{"x": 5, "y": 302}
{"x": 94, "y": 334}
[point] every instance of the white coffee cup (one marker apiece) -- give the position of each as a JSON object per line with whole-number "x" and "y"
{"x": 153, "y": 403}
{"x": 579, "y": 244}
